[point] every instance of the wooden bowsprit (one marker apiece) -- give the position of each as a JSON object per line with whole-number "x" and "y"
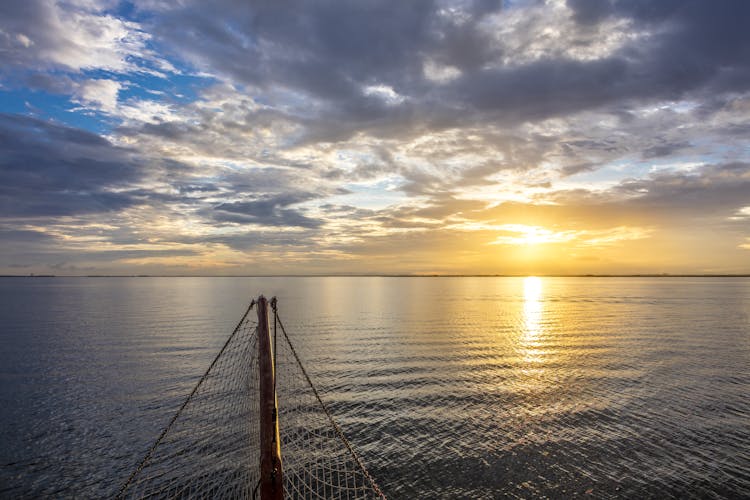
{"x": 270, "y": 444}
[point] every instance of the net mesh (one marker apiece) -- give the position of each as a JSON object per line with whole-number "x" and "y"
{"x": 318, "y": 461}
{"x": 210, "y": 448}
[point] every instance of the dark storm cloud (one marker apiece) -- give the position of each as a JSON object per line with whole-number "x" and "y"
{"x": 335, "y": 50}
{"x": 700, "y": 47}
{"x": 25, "y": 28}
{"x": 698, "y": 42}
{"x": 271, "y": 210}
{"x": 590, "y": 11}
{"x": 545, "y": 88}
{"x": 331, "y": 51}
{"x": 322, "y": 47}
{"x": 48, "y": 169}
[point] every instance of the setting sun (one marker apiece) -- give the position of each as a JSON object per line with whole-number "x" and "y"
{"x": 520, "y": 234}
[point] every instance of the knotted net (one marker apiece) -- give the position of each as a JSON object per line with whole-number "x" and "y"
{"x": 211, "y": 446}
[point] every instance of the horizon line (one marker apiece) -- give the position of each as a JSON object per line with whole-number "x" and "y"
{"x": 386, "y": 275}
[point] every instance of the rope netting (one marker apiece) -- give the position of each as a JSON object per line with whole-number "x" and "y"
{"x": 208, "y": 449}
{"x": 211, "y": 446}
{"x": 318, "y": 460}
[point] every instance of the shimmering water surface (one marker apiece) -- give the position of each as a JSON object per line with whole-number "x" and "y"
{"x": 448, "y": 387}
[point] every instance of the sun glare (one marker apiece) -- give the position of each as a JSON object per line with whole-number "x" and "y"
{"x": 521, "y": 234}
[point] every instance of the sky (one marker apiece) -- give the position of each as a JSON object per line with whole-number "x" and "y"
{"x": 239, "y": 137}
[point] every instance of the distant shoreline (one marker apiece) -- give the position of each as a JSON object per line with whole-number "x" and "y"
{"x": 662, "y": 275}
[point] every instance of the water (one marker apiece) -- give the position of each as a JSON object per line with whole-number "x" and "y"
{"x": 448, "y": 387}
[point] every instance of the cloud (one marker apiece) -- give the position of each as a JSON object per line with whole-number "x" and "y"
{"x": 590, "y": 12}
{"x": 23, "y": 237}
{"x": 706, "y": 196}
{"x": 47, "y": 169}
{"x": 664, "y": 149}
{"x": 268, "y": 210}
{"x": 711, "y": 190}
{"x": 336, "y": 54}
{"x": 100, "y": 93}
{"x": 69, "y": 35}
{"x": 741, "y": 214}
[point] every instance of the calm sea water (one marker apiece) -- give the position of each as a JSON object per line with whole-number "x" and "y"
{"x": 448, "y": 387}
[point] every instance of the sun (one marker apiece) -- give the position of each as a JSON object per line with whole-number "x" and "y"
{"x": 532, "y": 288}
{"x": 535, "y": 236}
{"x": 522, "y": 234}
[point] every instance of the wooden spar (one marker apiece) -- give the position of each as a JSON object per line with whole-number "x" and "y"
{"x": 271, "y": 484}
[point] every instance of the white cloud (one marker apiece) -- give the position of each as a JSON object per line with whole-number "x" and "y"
{"x": 547, "y": 29}
{"x": 146, "y": 111}
{"x": 77, "y": 36}
{"x": 82, "y": 40}
{"x": 384, "y": 92}
{"x": 439, "y": 73}
{"x": 103, "y": 95}
{"x": 741, "y": 214}
{"x": 95, "y": 41}
{"x": 24, "y": 40}
{"x": 100, "y": 94}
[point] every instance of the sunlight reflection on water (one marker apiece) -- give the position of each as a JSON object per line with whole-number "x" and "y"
{"x": 532, "y": 320}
